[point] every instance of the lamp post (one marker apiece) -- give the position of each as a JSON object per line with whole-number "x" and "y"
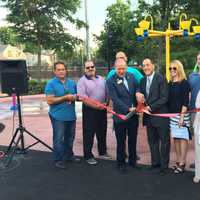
{"x": 109, "y": 38}
{"x": 87, "y": 45}
{"x": 144, "y": 31}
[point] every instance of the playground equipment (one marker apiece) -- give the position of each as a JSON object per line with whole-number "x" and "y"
{"x": 186, "y": 29}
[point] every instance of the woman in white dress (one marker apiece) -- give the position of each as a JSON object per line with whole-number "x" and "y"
{"x": 196, "y": 126}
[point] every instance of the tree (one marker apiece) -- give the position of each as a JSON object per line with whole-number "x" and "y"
{"x": 115, "y": 37}
{"x": 163, "y": 12}
{"x": 7, "y": 36}
{"x": 119, "y": 27}
{"x": 117, "y": 34}
{"x": 188, "y": 47}
{"x": 39, "y": 23}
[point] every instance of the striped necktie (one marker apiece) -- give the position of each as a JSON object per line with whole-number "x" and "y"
{"x": 148, "y": 85}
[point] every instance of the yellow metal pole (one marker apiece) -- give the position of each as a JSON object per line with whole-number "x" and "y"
{"x": 170, "y": 33}
{"x": 180, "y": 19}
{"x": 167, "y": 38}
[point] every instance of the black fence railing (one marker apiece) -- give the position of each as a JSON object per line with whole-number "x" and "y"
{"x": 74, "y": 72}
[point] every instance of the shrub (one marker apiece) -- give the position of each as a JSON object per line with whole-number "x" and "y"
{"x": 36, "y": 87}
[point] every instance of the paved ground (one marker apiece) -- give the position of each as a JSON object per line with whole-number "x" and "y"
{"x": 36, "y": 178}
{"x": 35, "y": 119}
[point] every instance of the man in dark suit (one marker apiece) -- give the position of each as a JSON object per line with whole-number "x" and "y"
{"x": 154, "y": 92}
{"x": 122, "y": 88}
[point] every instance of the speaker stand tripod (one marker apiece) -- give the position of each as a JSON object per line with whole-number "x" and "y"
{"x": 18, "y": 138}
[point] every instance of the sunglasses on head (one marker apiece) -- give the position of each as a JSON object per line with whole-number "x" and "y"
{"x": 174, "y": 68}
{"x": 90, "y": 67}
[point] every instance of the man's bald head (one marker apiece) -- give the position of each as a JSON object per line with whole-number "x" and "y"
{"x": 120, "y": 66}
{"x": 121, "y": 54}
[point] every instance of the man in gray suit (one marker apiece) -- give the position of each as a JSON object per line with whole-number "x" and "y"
{"x": 154, "y": 92}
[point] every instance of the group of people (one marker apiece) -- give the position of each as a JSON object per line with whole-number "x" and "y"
{"x": 125, "y": 89}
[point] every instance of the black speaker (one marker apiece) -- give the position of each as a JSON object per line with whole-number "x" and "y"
{"x": 13, "y": 76}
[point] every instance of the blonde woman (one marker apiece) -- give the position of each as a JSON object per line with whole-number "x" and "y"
{"x": 179, "y": 90}
{"x": 196, "y": 126}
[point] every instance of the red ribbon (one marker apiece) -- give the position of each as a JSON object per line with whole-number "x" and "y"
{"x": 141, "y": 108}
{"x": 99, "y": 104}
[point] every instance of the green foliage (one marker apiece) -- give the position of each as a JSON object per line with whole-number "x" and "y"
{"x": 117, "y": 34}
{"x": 36, "y": 87}
{"x": 39, "y": 23}
{"x": 7, "y": 36}
{"x": 162, "y": 11}
{"x": 121, "y": 21}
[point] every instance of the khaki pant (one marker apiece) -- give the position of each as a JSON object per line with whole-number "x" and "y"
{"x": 192, "y": 122}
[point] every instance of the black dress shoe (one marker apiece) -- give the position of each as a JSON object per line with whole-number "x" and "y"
{"x": 60, "y": 165}
{"x": 74, "y": 159}
{"x": 134, "y": 166}
{"x": 152, "y": 167}
{"x": 163, "y": 172}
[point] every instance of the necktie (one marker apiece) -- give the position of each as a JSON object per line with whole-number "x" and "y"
{"x": 125, "y": 83}
{"x": 148, "y": 85}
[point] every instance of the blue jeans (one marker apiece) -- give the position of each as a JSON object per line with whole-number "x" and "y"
{"x": 63, "y": 139}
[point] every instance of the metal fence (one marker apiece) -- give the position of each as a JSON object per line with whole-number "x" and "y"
{"x": 73, "y": 72}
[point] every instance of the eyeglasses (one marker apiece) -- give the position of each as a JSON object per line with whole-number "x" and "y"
{"x": 90, "y": 67}
{"x": 174, "y": 68}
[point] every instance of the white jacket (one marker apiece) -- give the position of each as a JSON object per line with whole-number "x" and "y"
{"x": 196, "y": 124}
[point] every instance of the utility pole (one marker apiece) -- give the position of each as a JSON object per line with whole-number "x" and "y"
{"x": 109, "y": 42}
{"x": 87, "y": 46}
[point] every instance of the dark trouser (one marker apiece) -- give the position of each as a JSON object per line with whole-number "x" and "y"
{"x": 121, "y": 130}
{"x": 63, "y": 138}
{"x": 94, "y": 121}
{"x": 159, "y": 143}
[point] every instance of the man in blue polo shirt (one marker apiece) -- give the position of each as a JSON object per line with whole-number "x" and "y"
{"x": 61, "y": 95}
